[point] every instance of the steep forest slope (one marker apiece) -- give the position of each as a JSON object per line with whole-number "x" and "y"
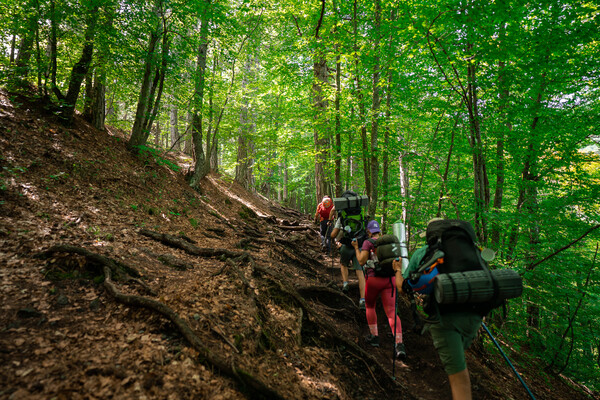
{"x": 119, "y": 281}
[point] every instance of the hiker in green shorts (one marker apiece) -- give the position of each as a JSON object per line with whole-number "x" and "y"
{"x": 452, "y": 335}
{"x": 348, "y": 261}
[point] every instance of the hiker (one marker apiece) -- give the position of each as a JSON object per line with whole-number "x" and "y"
{"x": 322, "y": 215}
{"x": 348, "y": 259}
{"x": 379, "y": 283}
{"x": 452, "y": 332}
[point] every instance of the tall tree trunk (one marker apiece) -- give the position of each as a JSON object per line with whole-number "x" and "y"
{"x": 201, "y": 167}
{"x": 22, "y": 66}
{"x": 174, "y": 128}
{"x": 187, "y": 142}
{"x": 375, "y": 114}
{"x": 86, "y": 114}
{"x": 13, "y": 46}
{"x": 386, "y": 153}
{"x": 137, "y": 134}
{"x": 157, "y": 134}
{"x": 481, "y": 183}
{"x": 98, "y": 101}
{"x": 53, "y": 48}
{"x": 157, "y": 86}
{"x": 337, "y": 148}
{"x": 321, "y": 140}
{"x": 386, "y": 137}
{"x": 214, "y": 156}
{"x": 38, "y": 53}
{"x": 496, "y": 227}
{"x": 80, "y": 69}
{"x": 350, "y": 164}
{"x": 321, "y": 131}
{"x": 210, "y": 135}
{"x": 361, "y": 106}
{"x": 285, "y": 182}
{"x": 444, "y": 188}
{"x": 243, "y": 169}
{"x": 500, "y": 161}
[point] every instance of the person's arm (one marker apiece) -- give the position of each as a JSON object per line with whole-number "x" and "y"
{"x": 415, "y": 260}
{"x": 362, "y": 255}
{"x": 336, "y": 229}
{"x": 397, "y": 265}
{"x": 335, "y": 232}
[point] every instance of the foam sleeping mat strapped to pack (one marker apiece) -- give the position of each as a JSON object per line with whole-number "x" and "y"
{"x": 342, "y": 203}
{"x": 476, "y": 286}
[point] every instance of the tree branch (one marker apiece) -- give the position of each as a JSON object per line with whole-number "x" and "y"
{"x": 320, "y": 19}
{"x": 530, "y": 267}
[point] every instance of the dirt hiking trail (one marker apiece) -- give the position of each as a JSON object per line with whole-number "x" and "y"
{"x": 120, "y": 281}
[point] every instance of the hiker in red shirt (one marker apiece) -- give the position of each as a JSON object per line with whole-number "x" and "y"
{"x": 323, "y": 215}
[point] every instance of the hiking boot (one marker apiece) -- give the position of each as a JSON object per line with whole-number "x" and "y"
{"x": 361, "y": 304}
{"x": 372, "y": 340}
{"x": 345, "y": 287}
{"x": 400, "y": 351}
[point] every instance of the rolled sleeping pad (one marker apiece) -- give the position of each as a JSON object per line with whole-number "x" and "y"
{"x": 342, "y": 203}
{"x": 476, "y": 286}
{"x": 399, "y": 231}
{"x": 388, "y": 248}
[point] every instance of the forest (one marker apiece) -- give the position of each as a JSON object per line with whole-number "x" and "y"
{"x": 474, "y": 110}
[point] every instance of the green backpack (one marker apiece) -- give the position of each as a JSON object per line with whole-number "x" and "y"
{"x": 353, "y": 219}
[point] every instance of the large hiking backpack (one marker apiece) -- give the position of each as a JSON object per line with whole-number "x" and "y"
{"x": 354, "y": 222}
{"x": 456, "y": 277}
{"x": 387, "y": 249}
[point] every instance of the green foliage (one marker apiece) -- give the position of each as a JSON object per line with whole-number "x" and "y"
{"x": 530, "y": 68}
{"x": 146, "y": 152}
{"x": 97, "y": 232}
{"x": 9, "y": 172}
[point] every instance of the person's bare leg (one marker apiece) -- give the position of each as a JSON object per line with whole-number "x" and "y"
{"x": 460, "y": 383}
{"x": 361, "y": 283}
{"x": 344, "y": 273}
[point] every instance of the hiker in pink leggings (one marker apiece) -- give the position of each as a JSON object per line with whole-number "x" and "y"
{"x": 378, "y": 285}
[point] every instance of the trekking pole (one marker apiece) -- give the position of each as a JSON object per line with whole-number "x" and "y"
{"x": 331, "y": 256}
{"x": 395, "y": 319}
{"x": 508, "y": 361}
{"x": 331, "y": 241}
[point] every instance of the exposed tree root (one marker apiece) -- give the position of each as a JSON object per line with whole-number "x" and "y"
{"x": 296, "y": 228}
{"x": 177, "y": 242}
{"x": 96, "y": 261}
{"x": 171, "y": 261}
{"x": 248, "y": 243}
{"x": 307, "y": 310}
{"x": 143, "y": 284}
{"x": 329, "y": 299}
{"x": 109, "y": 266}
{"x": 331, "y": 330}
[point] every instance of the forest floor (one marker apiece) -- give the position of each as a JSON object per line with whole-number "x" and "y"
{"x": 217, "y": 294}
